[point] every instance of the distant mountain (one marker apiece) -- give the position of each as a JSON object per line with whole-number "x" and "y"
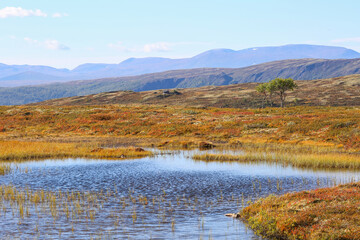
{"x": 14, "y": 75}
{"x": 17, "y": 75}
{"x": 34, "y": 77}
{"x": 299, "y": 69}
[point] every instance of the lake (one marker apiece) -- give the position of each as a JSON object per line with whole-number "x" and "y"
{"x": 168, "y": 195}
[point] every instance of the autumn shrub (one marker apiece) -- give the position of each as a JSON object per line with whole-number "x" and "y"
{"x": 336, "y": 125}
{"x": 329, "y": 213}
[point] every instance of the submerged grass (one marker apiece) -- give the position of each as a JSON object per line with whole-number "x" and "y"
{"x": 110, "y": 209}
{"x": 19, "y": 150}
{"x": 4, "y": 168}
{"x": 309, "y": 160}
{"x": 329, "y": 213}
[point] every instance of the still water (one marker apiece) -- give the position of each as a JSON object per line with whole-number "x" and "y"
{"x": 167, "y": 196}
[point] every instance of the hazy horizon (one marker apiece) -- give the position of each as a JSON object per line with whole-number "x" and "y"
{"x": 72, "y": 68}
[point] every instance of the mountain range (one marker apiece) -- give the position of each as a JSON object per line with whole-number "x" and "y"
{"x": 298, "y": 69}
{"x": 21, "y": 75}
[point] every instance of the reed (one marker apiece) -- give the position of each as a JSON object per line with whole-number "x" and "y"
{"x": 251, "y": 145}
{"x": 311, "y": 160}
{"x": 19, "y": 150}
{"x": 4, "y": 168}
{"x": 76, "y": 205}
{"x": 74, "y": 210}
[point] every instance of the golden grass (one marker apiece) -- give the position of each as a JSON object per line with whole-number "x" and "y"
{"x": 18, "y": 150}
{"x": 309, "y": 160}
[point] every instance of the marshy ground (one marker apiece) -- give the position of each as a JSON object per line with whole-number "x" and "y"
{"x": 257, "y": 152}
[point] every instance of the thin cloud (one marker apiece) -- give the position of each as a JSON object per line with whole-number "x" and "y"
{"x": 59, "y": 15}
{"x": 157, "y": 47}
{"x": 31, "y": 41}
{"x": 147, "y": 48}
{"x": 55, "y": 45}
{"x": 121, "y": 47}
{"x": 347, "y": 40}
{"x": 48, "y": 44}
{"x": 20, "y": 12}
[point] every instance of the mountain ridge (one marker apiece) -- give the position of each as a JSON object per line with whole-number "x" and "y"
{"x": 340, "y": 91}
{"x": 298, "y": 69}
{"x": 10, "y": 75}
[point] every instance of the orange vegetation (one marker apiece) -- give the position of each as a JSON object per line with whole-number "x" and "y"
{"x": 316, "y": 126}
{"x": 330, "y": 213}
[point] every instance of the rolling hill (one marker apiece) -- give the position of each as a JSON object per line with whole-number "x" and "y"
{"x": 340, "y": 91}
{"x": 298, "y": 69}
{"x": 20, "y": 75}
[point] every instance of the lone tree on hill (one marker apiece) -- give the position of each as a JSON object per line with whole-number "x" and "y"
{"x": 281, "y": 86}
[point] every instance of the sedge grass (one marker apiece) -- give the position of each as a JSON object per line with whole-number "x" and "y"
{"x": 4, "y": 168}
{"x": 19, "y": 150}
{"x": 312, "y": 160}
{"x": 78, "y": 208}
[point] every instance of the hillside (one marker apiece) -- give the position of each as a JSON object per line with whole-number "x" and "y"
{"x": 299, "y": 69}
{"x": 338, "y": 91}
{"x": 21, "y": 75}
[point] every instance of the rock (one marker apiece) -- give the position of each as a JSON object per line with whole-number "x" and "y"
{"x": 96, "y": 149}
{"x": 233, "y": 215}
{"x": 163, "y": 144}
{"x": 139, "y": 149}
{"x": 206, "y": 145}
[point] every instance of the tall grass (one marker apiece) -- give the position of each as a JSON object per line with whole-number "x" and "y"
{"x": 310, "y": 160}
{"x": 18, "y": 150}
{"x": 4, "y": 168}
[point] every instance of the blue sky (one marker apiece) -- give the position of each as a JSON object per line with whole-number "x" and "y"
{"x": 68, "y": 33}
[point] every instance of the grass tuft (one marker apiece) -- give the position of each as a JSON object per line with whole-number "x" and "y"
{"x": 309, "y": 160}
{"x": 18, "y": 150}
{"x": 4, "y": 168}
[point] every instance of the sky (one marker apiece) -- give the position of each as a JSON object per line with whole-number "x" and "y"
{"x": 65, "y": 34}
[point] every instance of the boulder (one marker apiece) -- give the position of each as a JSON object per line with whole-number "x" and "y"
{"x": 206, "y": 145}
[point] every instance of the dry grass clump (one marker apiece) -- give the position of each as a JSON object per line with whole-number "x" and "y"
{"x": 226, "y": 157}
{"x": 309, "y": 160}
{"x": 18, "y": 150}
{"x": 4, "y": 168}
{"x": 329, "y": 213}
